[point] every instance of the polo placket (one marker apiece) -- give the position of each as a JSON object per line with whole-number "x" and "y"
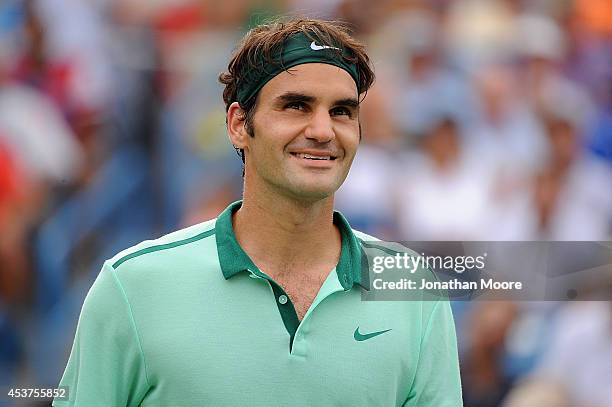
{"x": 284, "y": 304}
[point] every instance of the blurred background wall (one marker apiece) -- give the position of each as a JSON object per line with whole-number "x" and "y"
{"x": 489, "y": 120}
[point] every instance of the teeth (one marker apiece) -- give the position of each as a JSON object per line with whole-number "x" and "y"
{"x": 313, "y": 157}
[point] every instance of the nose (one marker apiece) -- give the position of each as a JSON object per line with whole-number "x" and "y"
{"x": 320, "y": 127}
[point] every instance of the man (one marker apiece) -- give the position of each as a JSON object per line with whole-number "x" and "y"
{"x": 262, "y": 306}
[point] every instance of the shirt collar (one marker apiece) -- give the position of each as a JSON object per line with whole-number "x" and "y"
{"x": 351, "y": 268}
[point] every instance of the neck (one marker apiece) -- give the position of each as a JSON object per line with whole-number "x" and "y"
{"x": 295, "y": 230}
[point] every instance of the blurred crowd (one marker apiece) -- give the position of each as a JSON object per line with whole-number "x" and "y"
{"x": 489, "y": 120}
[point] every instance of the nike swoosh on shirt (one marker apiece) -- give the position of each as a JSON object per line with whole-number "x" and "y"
{"x": 364, "y": 337}
{"x": 314, "y": 46}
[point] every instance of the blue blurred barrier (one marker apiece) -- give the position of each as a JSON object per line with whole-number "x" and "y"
{"x": 119, "y": 181}
{"x": 117, "y": 208}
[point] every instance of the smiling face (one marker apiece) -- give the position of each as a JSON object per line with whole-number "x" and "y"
{"x": 306, "y": 133}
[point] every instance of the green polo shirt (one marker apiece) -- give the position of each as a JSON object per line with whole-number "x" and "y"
{"x": 189, "y": 320}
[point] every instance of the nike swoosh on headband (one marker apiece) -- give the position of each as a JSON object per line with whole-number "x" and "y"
{"x": 315, "y": 47}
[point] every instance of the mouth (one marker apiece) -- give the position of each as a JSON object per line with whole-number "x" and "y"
{"x": 315, "y": 157}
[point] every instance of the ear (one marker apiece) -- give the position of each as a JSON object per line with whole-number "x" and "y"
{"x": 236, "y": 126}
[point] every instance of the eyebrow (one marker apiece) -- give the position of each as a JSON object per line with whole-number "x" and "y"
{"x": 348, "y": 102}
{"x": 301, "y": 97}
{"x": 295, "y": 97}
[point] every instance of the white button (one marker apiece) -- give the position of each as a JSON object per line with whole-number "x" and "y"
{"x": 283, "y": 299}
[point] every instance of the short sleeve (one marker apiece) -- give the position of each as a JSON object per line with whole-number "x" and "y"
{"x": 437, "y": 381}
{"x": 106, "y": 365}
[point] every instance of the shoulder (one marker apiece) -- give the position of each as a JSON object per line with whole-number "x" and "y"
{"x": 172, "y": 245}
{"x": 371, "y": 242}
{"x": 140, "y": 281}
{"x": 364, "y": 237}
{"x": 391, "y": 256}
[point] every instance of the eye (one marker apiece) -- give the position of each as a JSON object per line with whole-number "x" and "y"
{"x": 295, "y": 105}
{"x": 341, "y": 110}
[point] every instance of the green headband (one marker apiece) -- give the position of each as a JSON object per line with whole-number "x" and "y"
{"x": 298, "y": 49}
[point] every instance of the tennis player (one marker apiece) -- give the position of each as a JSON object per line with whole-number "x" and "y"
{"x": 262, "y": 305}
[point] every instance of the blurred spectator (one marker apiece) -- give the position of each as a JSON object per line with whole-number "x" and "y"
{"x": 479, "y": 31}
{"x": 137, "y": 67}
{"x": 571, "y": 200}
{"x": 35, "y": 131}
{"x": 57, "y": 59}
{"x": 507, "y": 139}
{"x": 452, "y": 192}
{"x": 38, "y": 153}
{"x": 580, "y": 355}
{"x": 447, "y": 193}
{"x": 505, "y": 131}
{"x": 43, "y": 66}
{"x": 14, "y": 277}
{"x": 542, "y": 44}
{"x": 483, "y": 379}
{"x": 422, "y": 73}
{"x": 34, "y": 66}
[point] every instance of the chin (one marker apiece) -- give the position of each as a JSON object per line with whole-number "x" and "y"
{"x": 310, "y": 192}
